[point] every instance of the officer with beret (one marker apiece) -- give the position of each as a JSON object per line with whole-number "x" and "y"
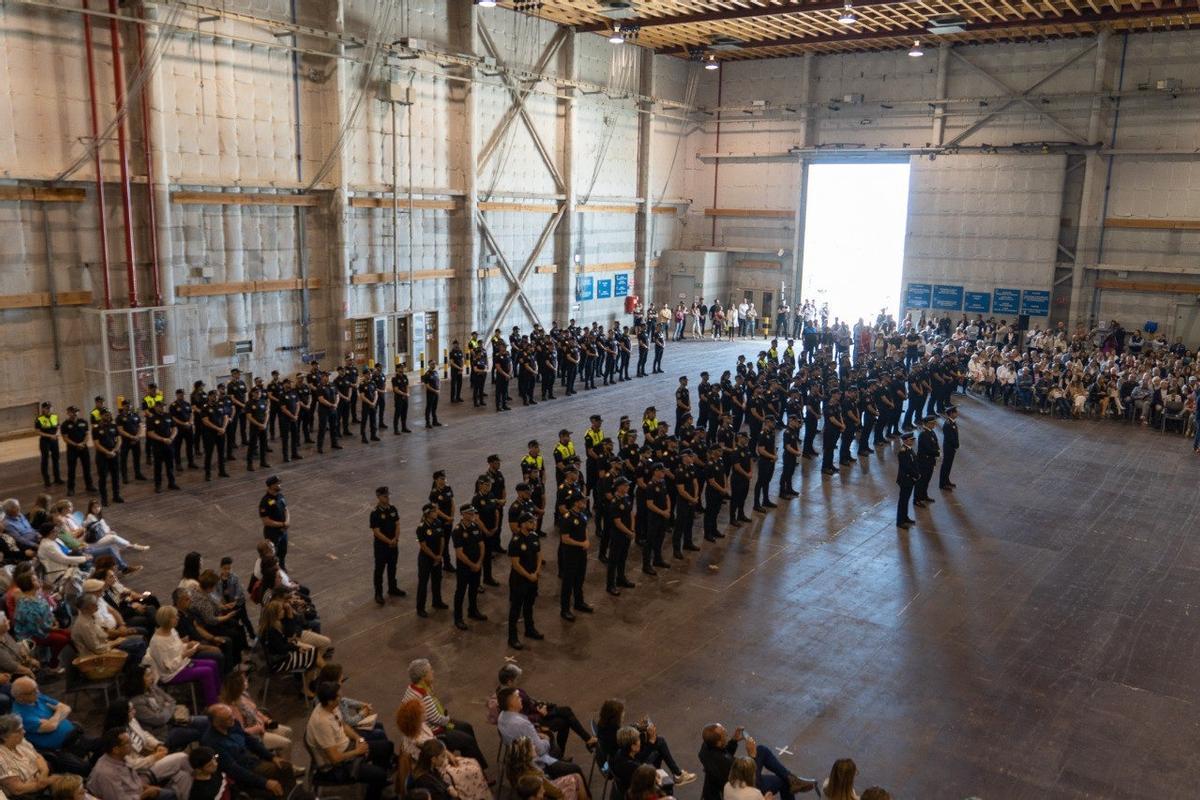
{"x": 385, "y": 520}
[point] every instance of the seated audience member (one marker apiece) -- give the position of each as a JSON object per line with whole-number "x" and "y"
{"x": 357, "y": 714}
{"x": 254, "y": 721}
{"x": 39, "y": 514}
{"x": 23, "y": 771}
{"x": 245, "y": 759}
{"x": 287, "y": 653}
{"x": 207, "y": 609}
{"x": 15, "y": 657}
{"x": 522, "y": 762}
{"x": 47, "y": 728}
{"x": 559, "y": 719}
{"x": 33, "y": 617}
{"x": 427, "y": 772}
{"x": 741, "y": 781}
{"x": 174, "y": 660}
{"x": 114, "y": 778}
{"x": 124, "y": 607}
{"x": 158, "y": 713}
{"x": 457, "y": 735}
{"x": 67, "y": 787}
{"x": 56, "y": 562}
{"x": 340, "y": 751}
{"x": 531, "y": 787}
{"x": 717, "y": 754}
{"x": 90, "y": 639}
{"x": 71, "y": 535}
{"x": 463, "y": 773}
{"x": 233, "y": 596}
{"x": 108, "y": 616}
{"x": 98, "y": 531}
{"x": 146, "y": 753}
{"x": 208, "y": 782}
{"x": 625, "y": 760}
{"x": 211, "y": 647}
{"x": 514, "y": 725}
{"x": 22, "y": 532}
{"x": 654, "y": 748}
{"x": 876, "y": 793}
{"x": 840, "y": 783}
{"x": 645, "y": 785}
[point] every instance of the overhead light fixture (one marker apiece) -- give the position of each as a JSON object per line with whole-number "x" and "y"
{"x": 616, "y": 37}
{"x": 486, "y": 3}
{"x": 916, "y": 51}
{"x": 847, "y": 17}
{"x": 711, "y": 62}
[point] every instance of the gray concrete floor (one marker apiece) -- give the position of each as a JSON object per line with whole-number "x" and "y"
{"x": 1030, "y": 638}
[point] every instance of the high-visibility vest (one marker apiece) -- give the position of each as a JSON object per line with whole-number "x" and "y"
{"x": 47, "y": 422}
{"x": 151, "y": 400}
{"x": 565, "y": 451}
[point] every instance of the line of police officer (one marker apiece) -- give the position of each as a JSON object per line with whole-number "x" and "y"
{"x": 641, "y": 494}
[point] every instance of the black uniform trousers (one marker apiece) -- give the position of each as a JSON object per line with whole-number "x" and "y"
{"x": 109, "y": 469}
{"x": 521, "y": 594}
{"x": 289, "y": 434}
{"x": 906, "y": 493}
{"x": 131, "y": 448}
{"x": 164, "y": 457}
{"x": 712, "y": 511}
{"x": 926, "y": 467}
{"x": 456, "y": 382}
{"x": 256, "y": 445}
{"x": 947, "y": 465}
{"x": 652, "y": 544}
{"x": 327, "y": 423}
{"x": 49, "y": 451}
{"x": 231, "y": 433}
{"x": 618, "y": 554}
{"x": 429, "y": 574}
{"x": 466, "y": 584}
{"x": 848, "y": 437}
{"x": 185, "y": 440}
{"x": 385, "y": 559}
{"x": 739, "y": 489}
{"x": 381, "y": 411}
{"x": 641, "y": 367}
{"x": 431, "y": 404}
{"x": 400, "y": 415}
{"x": 83, "y": 457}
{"x": 762, "y": 483}
{"x": 478, "y": 381}
{"x": 829, "y": 445}
{"x": 547, "y": 385}
{"x": 685, "y": 519}
{"x": 785, "y": 476}
{"x": 573, "y": 567}
{"x": 658, "y": 354}
{"x": 367, "y": 418}
{"x": 344, "y": 413}
{"x": 215, "y": 442}
{"x": 501, "y": 393}
{"x": 864, "y": 436}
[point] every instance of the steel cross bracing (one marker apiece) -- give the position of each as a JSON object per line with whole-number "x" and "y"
{"x": 519, "y": 92}
{"x": 1019, "y": 97}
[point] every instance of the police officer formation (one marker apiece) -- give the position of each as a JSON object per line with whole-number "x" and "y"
{"x": 626, "y": 494}
{"x": 317, "y": 406}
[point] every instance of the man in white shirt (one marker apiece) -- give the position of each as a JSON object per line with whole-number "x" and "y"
{"x": 743, "y": 316}
{"x": 340, "y": 750}
{"x": 514, "y": 725}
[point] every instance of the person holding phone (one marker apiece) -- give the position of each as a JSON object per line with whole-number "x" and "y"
{"x": 717, "y": 754}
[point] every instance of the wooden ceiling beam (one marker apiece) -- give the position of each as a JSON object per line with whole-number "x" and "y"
{"x": 1084, "y": 18}
{"x": 724, "y": 15}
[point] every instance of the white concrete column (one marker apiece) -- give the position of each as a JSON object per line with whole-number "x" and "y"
{"x": 1091, "y": 207}
{"x": 939, "y": 111}
{"x": 643, "y": 246}
{"x": 340, "y": 289}
{"x": 565, "y": 233}
{"x": 808, "y": 138}
{"x": 466, "y": 315}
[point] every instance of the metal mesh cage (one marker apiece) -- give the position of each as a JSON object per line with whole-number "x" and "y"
{"x": 130, "y": 348}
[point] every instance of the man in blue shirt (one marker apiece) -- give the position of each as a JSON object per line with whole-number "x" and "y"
{"x": 244, "y": 758}
{"x": 18, "y": 527}
{"x": 47, "y": 728}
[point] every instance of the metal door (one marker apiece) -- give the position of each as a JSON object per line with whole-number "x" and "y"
{"x": 682, "y": 287}
{"x": 403, "y": 342}
{"x": 431, "y": 336}
{"x": 1187, "y": 325}
{"x": 380, "y": 342}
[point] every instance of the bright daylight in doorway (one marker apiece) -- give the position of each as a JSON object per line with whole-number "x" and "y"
{"x": 854, "y": 230}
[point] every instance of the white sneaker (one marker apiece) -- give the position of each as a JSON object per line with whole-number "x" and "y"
{"x": 684, "y": 778}
{"x": 141, "y": 548}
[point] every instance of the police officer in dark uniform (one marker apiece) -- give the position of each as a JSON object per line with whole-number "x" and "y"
{"x": 230, "y": 408}
{"x": 238, "y": 393}
{"x": 850, "y": 418}
{"x": 432, "y": 384}
{"x": 213, "y": 424}
{"x": 458, "y": 365}
{"x": 75, "y": 435}
{"x": 741, "y": 461}
{"x": 643, "y": 340}
{"x": 385, "y": 521}
{"x": 368, "y": 395}
{"x": 658, "y": 516}
{"x": 468, "y": 556}
{"x": 832, "y": 430}
{"x": 792, "y": 450}
{"x": 767, "y": 455}
{"x": 687, "y": 490}
{"x": 683, "y": 402}
{"x": 949, "y": 446}
{"x": 328, "y": 401}
{"x": 160, "y": 438}
{"x": 928, "y": 451}
{"x": 907, "y": 476}
{"x": 346, "y": 389}
{"x": 573, "y": 551}
{"x": 548, "y": 366}
{"x": 525, "y": 554}
{"x": 276, "y": 519}
{"x": 501, "y": 373}
{"x": 304, "y": 390}
{"x": 129, "y": 423}
{"x": 716, "y": 491}
{"x": 621, "y": 532}
{"x": 349, "y": 371}
{"x": 46, "y": 425}
{"x": 106, "y": 437}
{"x": 479, "y": 370}
{"x": 289, "y": 421}
{"x": 256, "y": 411}
{"x": 400, "y": 402}
{"x": 660, "y": 343}
{"x": 183, "y": 416}
{"x": 431, "y": 544}
{"x": 380, "y": 381}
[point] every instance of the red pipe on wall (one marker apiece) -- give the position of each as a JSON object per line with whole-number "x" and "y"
{"x": 151, "y": 211}
{"x": 123, "y": 153}
{"x": 100, "y": 205}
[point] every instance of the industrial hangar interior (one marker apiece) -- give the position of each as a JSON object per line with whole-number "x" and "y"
{"x": 984, "y": 212}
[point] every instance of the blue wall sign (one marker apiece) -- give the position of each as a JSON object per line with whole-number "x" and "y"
{"x": 978, "y": 302}
{"x": 1035, "y": 303}
{"x": 918, "y": 295}
{"x": 621, "y": 284}
{"x": 948, "y": 298}
{"x": 1006, "y": 301}
{"x": 584, "y": 284}
{"x": 604, "y": 289}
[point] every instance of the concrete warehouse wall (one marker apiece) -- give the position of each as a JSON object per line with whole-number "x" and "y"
{"x": 233, "y": 110}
